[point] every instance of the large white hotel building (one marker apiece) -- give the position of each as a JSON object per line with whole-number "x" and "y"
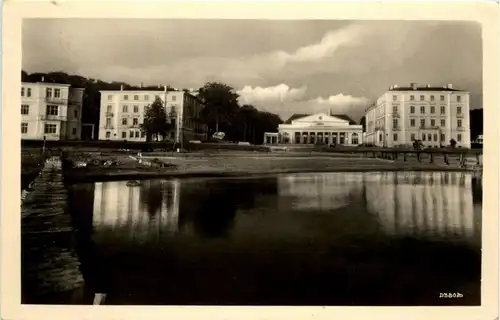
{"x": 433, "y": 115}
{"x": 51, "y": 110}
{"x": 122, "y": 113}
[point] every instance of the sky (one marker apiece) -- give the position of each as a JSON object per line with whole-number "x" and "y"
{"x": 285, "y": 67}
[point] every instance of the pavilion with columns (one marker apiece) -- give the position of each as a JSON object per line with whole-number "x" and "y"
{"x": 303, "y": 129}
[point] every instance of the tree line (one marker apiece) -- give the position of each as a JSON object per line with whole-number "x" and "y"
{"x": 222, "y": 112}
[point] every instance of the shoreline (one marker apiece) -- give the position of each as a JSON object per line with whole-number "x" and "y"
{"x": 112, "y": 175}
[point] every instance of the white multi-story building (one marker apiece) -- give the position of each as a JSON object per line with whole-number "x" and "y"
{"x": 122, "y": 113}
{"x": 51, "y": 110}
{"x": 433, "y": 115}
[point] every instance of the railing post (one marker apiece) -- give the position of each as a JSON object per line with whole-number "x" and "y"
{"x": 404, "y": 156}
{"x": 446, "y": 158}
{"x": 478, "y": 160}
{"x": 431, "y": 158}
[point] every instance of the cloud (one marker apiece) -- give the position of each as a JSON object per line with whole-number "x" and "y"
{"x": 341, "y": 99}
{"x": 285, "y": 101}
{"x": 278, "y": 93}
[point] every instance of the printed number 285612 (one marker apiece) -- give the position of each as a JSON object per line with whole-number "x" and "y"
{"x": 451, "y": 295}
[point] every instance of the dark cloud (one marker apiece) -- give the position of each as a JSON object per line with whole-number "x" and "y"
{"x": 357, "y": 59}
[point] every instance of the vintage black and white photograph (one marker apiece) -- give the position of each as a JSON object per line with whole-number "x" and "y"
{"x": 232, "y": 162}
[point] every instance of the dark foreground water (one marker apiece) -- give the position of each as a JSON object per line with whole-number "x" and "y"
{"x": 301, "y": 239}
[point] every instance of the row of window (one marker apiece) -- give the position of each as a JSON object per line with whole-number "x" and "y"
{"x": 136, "y": 97}
{"x": 422, "y": 98}
{"x": 427, "y": 137}
{"x": 423, "y": 108}
{"x": 133, "y": 134}
{"x": 109, "y": 108}
{"x": 49, "y": 128}
{"x": 50, "y": 110}
{"x": 423, "y": 123}
{"x": 48, "y": 92}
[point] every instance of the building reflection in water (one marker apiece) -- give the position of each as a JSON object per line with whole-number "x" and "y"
{"x": 151, "y": 208}
{"x": 416, "y": 203}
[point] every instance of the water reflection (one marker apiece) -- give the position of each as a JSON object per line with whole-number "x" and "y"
{"x": 417, "y": 204}
{"x": 414, "y": 204}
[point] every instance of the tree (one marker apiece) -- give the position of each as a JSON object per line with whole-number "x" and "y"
{"x": 221, "y": 106}
{"x": 362, "y": 122}
{"x": 155, "y": 120}
{"x": 453, "y": 143}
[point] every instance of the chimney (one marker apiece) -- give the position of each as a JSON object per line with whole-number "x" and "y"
{"x": 165, "y": 88}
{"x": 449, "y": 86}
{"x": 413, "y": 85}
{"x": 121, "y": 87}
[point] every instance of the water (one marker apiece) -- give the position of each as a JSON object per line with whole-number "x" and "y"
{"x": 301, "y": 239}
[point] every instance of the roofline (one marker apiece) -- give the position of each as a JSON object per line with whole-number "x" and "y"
{"x": 50, "y": 83}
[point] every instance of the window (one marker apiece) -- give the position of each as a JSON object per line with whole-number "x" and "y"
{"x": 412, "y": 137}
{"x": 174, "y": 98}
{"x": 143, "y": 134}
{"x": 108, "y": 134}
{"x": 52, "y": 110}
{"x": 125, "y": 97}
{"x": 110, "y": 97}
{"x": 28, "y": 92}
{"x": 432, "y": 98}
{"x": 22, "y": 91}
{"x": 136, "y": 97}
{"x": 422, "y": 109}
{"x": 50, "y": 128}
{"x": 435, "y": 137}
{"x": 429, "y": 137}
{"x": 108, "y": 122}
{"x": 412, "y": 109}
{"x": 57, "y": 93}
{"x": 441, "y": 98}
{"x": 124, "y": 135}
{"x": 125, "y": 108}
{"x": 459, "y": 98}
{"x": 412, "y": 98}
{"x": 124, "y": 121}
{"x": 443, "y": 110}
{"x": 459, "y": 123}
{"x": 76, "y": 113}
{"x": 421, "y": 98}
{"x": 135, "y": 121}
{"x": 137, "y": 134}
{"x": 394, "y": 123}
{"x": 74, "y": 131}
{"x": 433, "y": 122}
{"x": 412, "y": 122}
{"x": 433, "y": 109}
{"x": 24, "y": 128}
{"x": 423, "y": 136}
{"x": 146, "y": 97}
{"x": 136, "y": 109}
{"x": 109, "y": 108}
{"x": 131, "y": 134}
{"x": 443, "y": 122}
{"x": 443, "y": 137}
{"x": 48, "y": 92}
{"x": 354, "y": 138}
{"x": 422, "y": 122}
{"x": 459, "y": 137}
{"x": 25, "y": 109}
{"x": 459, "y": 110}
{"x": 395, "y": 137}
{"x": 395, "y": 109}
